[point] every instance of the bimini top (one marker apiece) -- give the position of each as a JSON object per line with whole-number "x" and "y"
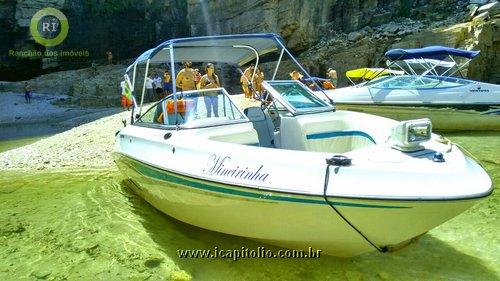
{"x": 431, "y": 52}
{"x": 234, "y": 49}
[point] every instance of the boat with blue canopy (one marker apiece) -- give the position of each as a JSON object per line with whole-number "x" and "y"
{"x": 433, "y": 86}
{"x": 431, "y": 52}
{"x": 295, "y": 171}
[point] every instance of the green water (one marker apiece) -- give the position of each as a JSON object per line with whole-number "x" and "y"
{"x": 14, "y": 143}
{"x": 69, "y": 225}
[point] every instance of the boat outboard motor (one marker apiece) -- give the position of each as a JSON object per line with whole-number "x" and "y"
{"x": 407, "y": 135}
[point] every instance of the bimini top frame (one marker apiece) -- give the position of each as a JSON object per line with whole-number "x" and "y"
{"x": 238, "y": 50}
{"x": 430, "y": 58}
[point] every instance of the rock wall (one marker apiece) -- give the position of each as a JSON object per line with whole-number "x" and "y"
{"x": 366, "y": 47}
{"x": 125, "y": 27}
{"x": 302, "y": 23}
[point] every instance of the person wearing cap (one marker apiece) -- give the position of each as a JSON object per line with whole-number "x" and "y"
{"x": 332, "y": 75}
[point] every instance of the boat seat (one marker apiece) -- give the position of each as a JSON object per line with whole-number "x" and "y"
{"x": 262, "y": 124}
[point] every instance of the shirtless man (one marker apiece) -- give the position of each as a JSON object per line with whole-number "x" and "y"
{"x": 245, "y": 80}
{"x": 186, "y": 78}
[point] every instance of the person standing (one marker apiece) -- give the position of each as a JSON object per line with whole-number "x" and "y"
{"x": 149, "y": 88}
{"x": 332, "y": 76}
{"x": 167, "y": 83}
{"x": 109, "y": 54}
{"x": 158, "y": 87}
{"x": 197, "y": 78}
{"x": 94, "y": 68}
{"x": 257, "y": 82}
{"x": 126, "y": 98}
{"x": 210, "y": 81}
{"x": 27, "y": 92}
{"x": 245, "y": 81}
{"x": 186, "y": 78}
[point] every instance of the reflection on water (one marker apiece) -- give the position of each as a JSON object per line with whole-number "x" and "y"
{"x": 87, "y": 224}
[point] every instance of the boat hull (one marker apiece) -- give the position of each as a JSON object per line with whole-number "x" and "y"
{"x": 285, "y": 219}
{"x": 444, "y": 118}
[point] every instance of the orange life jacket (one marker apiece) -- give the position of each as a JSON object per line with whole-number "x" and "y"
{"x": 328, "y": 85}
{"x": 183, "y": 106}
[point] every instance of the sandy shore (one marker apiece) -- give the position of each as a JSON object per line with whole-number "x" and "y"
{"x": 86, "y": 146}
{"x": 14, "y": 110}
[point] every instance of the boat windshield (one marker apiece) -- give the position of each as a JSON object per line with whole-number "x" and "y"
{"x": 296, "y": 97}
{"x": 416, "y": 82}
{"x": 195, "y": 109}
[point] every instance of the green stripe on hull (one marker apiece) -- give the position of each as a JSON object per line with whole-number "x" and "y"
{"x": 170, "y": 177}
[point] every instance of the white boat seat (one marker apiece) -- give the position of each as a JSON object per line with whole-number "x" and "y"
{"x": 262, "y": 124}
{"x": 323, "y": 133}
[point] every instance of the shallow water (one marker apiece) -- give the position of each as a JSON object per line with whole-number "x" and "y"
{"x": 88, "y": 225}
{"x": 24, "y": 131}
{"x": 15, "y": 143}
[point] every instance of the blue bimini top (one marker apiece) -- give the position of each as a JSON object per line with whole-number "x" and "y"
{"x": 431, "y": 52}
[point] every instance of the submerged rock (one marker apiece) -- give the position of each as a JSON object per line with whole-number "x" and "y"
{"x": 12, "y": 227}
{"x": 41, "y": 274}
{"x": 153, "y": 262}
{"x": 354, "y": 276}
{"x": 180, "y": 275}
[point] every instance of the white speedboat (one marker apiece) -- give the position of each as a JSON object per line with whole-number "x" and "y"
{"x": 427, "y": 91}
{"x": 298, "y": 173}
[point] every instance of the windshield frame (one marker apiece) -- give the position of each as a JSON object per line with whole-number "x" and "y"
{"x": 439, "y": 84}
{"x": 216, "y": 123}
{"x": 293, "y": 110}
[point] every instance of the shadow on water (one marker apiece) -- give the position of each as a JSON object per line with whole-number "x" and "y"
{"x": 429, "y": 258}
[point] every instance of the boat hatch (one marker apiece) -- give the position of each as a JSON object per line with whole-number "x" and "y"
{"x": 295, "y": 97}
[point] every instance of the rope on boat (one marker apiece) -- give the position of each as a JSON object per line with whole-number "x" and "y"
{"x": 338, "y": 161}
